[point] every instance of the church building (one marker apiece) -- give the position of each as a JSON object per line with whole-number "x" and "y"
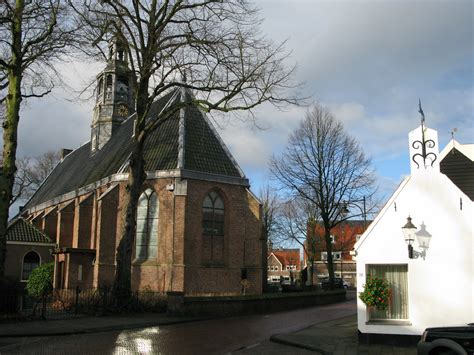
{"x": 198, "y": 223}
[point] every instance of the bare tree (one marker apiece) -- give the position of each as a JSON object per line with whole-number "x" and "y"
{"x": 296, "y": 223}
{"x": 30, "y": 174}
{"x": 211, "y": 47}
{"x": 326, "y": 167}
{"x": 33, "y": 35}
{"x": 269, "y": 201}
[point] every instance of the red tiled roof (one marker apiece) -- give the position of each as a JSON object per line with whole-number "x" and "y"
{"x": 288, "y": 257}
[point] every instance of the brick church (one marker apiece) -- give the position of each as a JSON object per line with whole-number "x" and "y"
{"x": 198, "y": 224}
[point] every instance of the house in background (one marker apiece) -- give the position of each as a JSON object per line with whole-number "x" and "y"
{"x": 343, "y": 237}
{"x": 27, "y": 248}
{"x": 431, "y": 272}
{"x": 283, "y": 266}
{"x": 198, "y": 224}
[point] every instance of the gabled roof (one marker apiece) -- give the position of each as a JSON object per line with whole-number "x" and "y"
{"x": 466, "y": 149}
{"x": 382, "y": 212}
{"x": 186, "y": 141}
{"x": 287, "y": 256}
{"x": 22, "y": 231}
{"x": 457, "y": 163}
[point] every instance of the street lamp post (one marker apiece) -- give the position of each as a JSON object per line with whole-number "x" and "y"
{"x": 363, "y": 210}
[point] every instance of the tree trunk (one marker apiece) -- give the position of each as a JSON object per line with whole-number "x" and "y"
{"x": 10, "y": 132}
{"x": 122, "y": 288}
{"x": 264, "y": 240}
{"x": 309, "y": 272}
{"x": 327, "y": 237}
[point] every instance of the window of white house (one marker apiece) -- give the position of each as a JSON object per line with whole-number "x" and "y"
{"x": 396, "y": 275}
{"x": 147, "y": 225}
{"x": 30, "y": 262}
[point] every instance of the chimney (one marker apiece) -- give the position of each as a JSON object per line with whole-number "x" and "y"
{"x": 64, "y": 152}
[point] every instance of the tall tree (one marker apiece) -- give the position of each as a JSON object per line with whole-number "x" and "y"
{"x": 325, "y": 166}
{"x": 295, "y": 224}
{"x": 33, "y": 34}
{"x": 211, "y": 47}
{"x": 269, "y": 201}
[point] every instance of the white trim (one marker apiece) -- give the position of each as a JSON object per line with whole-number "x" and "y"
{"x": 182, "y": 130}
{"x": 175, "y": 173}
{"x": 275, "y": 258}
{"x": 382, "y": 212}
{"x": 106, "y": 192}
{"x": 227, "y": 151}
{"x": 465, "y": 149}
{"x": 39, "y": 244}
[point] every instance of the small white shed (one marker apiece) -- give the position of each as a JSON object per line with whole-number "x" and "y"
{"x": 436, "y": 286}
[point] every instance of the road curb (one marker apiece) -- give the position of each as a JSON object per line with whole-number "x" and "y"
{"x": 279, "y": 339}
{"x": 108, "y": 328}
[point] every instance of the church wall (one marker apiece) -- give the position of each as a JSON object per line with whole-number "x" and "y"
{"x": 84, "y": 210}
{"x": 157, "y": 273}
{"x": 238, "y": 251}
{"x": 65, "y": 226}
{"x": 182, "y": 263}
{"x": 107, "y": 220}
{"x": 50, "y": 224}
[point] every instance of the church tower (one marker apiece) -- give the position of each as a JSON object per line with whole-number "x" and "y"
{"x": 114, "y": 95}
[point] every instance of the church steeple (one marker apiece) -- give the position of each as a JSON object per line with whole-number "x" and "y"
{"x": 115, "y": 95}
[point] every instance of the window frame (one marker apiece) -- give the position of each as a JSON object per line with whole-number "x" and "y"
{"x": 23, "y": 264}
{"x": 213, "y": 230}
{"x": 150, "y": 225}
{"x": 374, "y": 316}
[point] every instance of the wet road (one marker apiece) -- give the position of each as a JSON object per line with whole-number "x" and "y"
{"x": 248, "y": 334}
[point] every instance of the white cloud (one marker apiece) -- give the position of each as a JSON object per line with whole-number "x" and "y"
{"x": 368, "y": 61}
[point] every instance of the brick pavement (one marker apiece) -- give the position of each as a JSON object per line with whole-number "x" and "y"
{"x": 337, "y": 337}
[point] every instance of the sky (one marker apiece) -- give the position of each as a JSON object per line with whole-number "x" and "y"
{"x": 369, "y": 62}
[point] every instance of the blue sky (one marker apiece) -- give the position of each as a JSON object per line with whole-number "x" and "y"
{"x": 367, "y": 61}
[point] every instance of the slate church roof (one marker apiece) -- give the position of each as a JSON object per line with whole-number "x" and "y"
{"x": 202, "y": 151}
{"x": 22, "y": 231}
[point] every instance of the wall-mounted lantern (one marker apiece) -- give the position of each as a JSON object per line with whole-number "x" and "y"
{"x": 422, "y": 236}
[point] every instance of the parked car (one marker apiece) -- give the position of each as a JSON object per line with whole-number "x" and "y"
{"x": 447, "y": 340}
{"x": 338, "y": 283}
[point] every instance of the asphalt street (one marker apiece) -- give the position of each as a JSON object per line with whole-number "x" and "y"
{"x": 246, "y": 335}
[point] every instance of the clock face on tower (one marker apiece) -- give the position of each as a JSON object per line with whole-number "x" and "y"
{"x": 122, "y": 110}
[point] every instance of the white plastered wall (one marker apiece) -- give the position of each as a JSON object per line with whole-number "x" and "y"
{"x": 441, "y": 287}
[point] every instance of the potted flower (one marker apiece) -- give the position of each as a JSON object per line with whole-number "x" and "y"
{"x": 376, "y": 293}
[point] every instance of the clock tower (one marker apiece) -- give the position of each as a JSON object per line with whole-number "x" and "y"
{"x": 114, "y": 96}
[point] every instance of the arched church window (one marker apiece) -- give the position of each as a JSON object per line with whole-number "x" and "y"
{"x": 147, "y": 225}
{"x": 30, "y": 262}
{"x": 213, "y": 214}
{"x": 120, "y": 54}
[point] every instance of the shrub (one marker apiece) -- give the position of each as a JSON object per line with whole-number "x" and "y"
{"x": 376, "y": 293}
{"x": 40, "y": 280}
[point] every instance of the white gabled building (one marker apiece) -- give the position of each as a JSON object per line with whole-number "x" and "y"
{"x": 436, "y": 286}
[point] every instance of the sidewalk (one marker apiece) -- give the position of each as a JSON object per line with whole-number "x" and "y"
{"x": 338, "y": 337}
{"x": 88, "y": 324}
